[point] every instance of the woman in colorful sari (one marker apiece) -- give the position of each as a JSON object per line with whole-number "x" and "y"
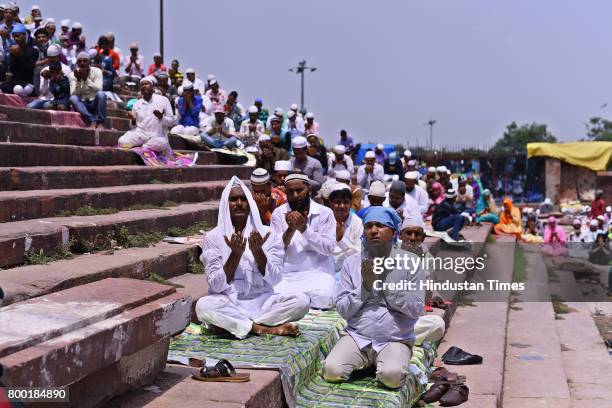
{"x": 509, "y": 220}
{"x": 486, "y": 210}
{"x": 554, "y": 239}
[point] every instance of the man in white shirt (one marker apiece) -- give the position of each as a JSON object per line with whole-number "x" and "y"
{"x": 278, "y": 113}
{"x": 252, "y": 128}
{"x": 339, "y": 161}
{"x": 152, "y": 116}
{"x": 243, "y": 260}
{"x": 369, "y": 171}
{"x": 219, "y": 131}
{"x": 401, "y": 202}
{"x": 415, "y": 191}
{"x": 294, "y": 126}
{"x": 308, "y": 232}
{"x": 53, "y": 54}
{"x": 198, "y": 85}
{"x": 86, "y": 89}
{"x": 134, "y": 64}
{"x": 349, "y": 228}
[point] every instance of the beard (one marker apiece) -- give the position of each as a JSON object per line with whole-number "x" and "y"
{"x": 301, "y": 205}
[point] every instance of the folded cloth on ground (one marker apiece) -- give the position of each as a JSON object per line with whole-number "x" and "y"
{"x": 299, "y": 362}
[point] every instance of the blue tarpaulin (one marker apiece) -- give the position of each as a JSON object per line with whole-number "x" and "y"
{"x": 370, "y": 146}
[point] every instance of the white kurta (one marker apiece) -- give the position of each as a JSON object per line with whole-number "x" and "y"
{"x": 420, "y": 196}
{"x": 332, "y": 167}
{"x": 350, "y": 243}
{"x": 309, "y": 265}
{"x": 150, "y": 132}
{"x": 409, "y": 206}
{"x": 249, "y": 298}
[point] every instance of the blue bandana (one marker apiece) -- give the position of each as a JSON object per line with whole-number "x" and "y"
{"x": 384, "y": 215}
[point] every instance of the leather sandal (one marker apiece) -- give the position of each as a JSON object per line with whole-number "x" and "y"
{"x": 442, "y": 374}
{"x": 435, "y": 392}
{"x": 456, "y": 395}
{"x": 223, "y": 371}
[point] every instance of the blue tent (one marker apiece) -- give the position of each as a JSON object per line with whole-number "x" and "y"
{"x": 370, "y": 146}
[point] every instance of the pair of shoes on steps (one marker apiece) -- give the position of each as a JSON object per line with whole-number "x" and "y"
{"x": 447, "y": 394}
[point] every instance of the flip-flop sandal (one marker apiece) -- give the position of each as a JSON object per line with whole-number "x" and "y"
{"x": 223, "y": 371}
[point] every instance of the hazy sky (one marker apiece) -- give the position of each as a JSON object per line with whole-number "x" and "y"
{"x": 385, "y": 67}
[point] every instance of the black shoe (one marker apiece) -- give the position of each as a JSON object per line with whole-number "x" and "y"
{"x": 456, "y": 356}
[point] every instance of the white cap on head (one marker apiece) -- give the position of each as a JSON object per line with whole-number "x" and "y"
{"x": 291, "y": 114}
{"x": 407, "y": 153}
{"x": 263, "y": 138}
{"x": 547, "y": 201}
{"x": 253, "y": 109}
{"x": 343, "y": 175}
{"x": 411, "y": 221}
{"x": 65, "y": 23}
{"x": 151, "y": 79}
{"x": 35, "y": 7}
{"x": 412, "y": 175}
{"x": 370, "y": 155}
{"x": 380, "y": 146}
{"x": 210, "y": 77}
{"x": 327, "y": 188}
{"x": 340, "y": 186}
{"x": 54, "y": 50}
{"x": 609, "y": 208}
{"x": 441, "y": 169}
{"x": 213, "y": 82}
{"x": 294, "y": 106}
{"x": 411, "y": 163}
{"x": 297, "y": 176}
{"x": 299, "y": 142}
{"x": 190, "y": 71}
{"x": 594, "y": 223}
{"x": 260, "y": 176}
{"x": 339, "y": 149}
{"x": 577, "y": 221}
{"x": 77, "y": 25}
{"x": 133, "y": 46}
{"x": 157, "y": 54}
{"x": 451, "y": 193}
{"x": 187, "y": 85}
{"x": 282, "y": 165}
{"x": 310, "y": 115}
{"x": 377, "y": 189}
{"x": 278, "y": 111}
{"x": 83, "y": 55}
{"x": 50, "y": 20}
{"x": 601, "y": 218}
{"x": 432, "y": 169}
{"x": 92, "y": 52}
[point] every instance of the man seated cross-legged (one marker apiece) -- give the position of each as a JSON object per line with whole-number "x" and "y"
{"x": 380, "y": 321}
{"x": 308, "y": 231}
{"x": 243, "y": 261}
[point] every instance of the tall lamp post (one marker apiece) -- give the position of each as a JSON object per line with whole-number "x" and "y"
{"x": 161, "y": 28}
{"x": 431, "y": 124}
{"x": 300, "y": 69}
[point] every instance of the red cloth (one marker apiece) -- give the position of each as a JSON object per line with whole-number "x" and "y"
{"x": 114, "y": 56}
{"x": 153, "y": 68}
{"x": 598, "y": 207}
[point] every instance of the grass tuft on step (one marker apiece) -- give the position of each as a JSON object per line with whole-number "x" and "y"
{"x": 519, "y": 273}
{"x": 153, "y": 277}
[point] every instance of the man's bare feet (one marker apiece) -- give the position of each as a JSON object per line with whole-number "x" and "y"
{"x": 285, "y": 329}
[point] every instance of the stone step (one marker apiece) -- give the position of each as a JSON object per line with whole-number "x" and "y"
{"x": 480, "y": 329}
{"x": 27, "y": 205}
{"x": 194, "y": 285}
{"x": 162, "y": 259}
{"x": 55, "y": 118}
{"x": 17, "y": 132}
{"x": 176, "y": 388}
{"x": 44, "y": 178}
{"x": 534, "y": 348}
{"x": 118, "y": 113}
{"x": 50, "y": 234}
{"x": 113, "y": 332}
{"x": 585, "y": 357}
{"x": 41, "y": 154}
